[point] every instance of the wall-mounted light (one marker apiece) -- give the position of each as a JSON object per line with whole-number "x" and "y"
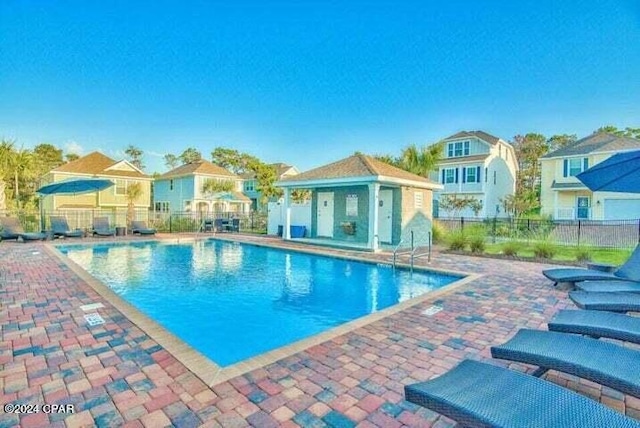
{"x": 598, "y": 202}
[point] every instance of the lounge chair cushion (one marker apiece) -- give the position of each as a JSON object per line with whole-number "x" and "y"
{"x": 36, "y": 236}
{"x": 630, "y": 270}
{"x": 602, "y": 362}
{"x": 578, "y": 274}
{"x": 597, "y": 324}
{"x": 141, "y": 228}
{"x": 606, "y": 301}
{"x": 477, "y": 394}
{"x": 60, "y": 227}
{"x": 610, "y": 286}
{"x": 101, "y": 227}
{"x": 12, "y": 229}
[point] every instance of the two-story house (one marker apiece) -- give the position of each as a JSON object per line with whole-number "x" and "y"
{"x": 113, "y": 200}
{"x": 564, "y": 197}
{"x": 199, "y": 187}
{"x": 250, "y": 183}
{"x": 480, "y": 166}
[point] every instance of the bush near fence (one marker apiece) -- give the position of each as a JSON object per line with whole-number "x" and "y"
{"x": 620, "y": 234}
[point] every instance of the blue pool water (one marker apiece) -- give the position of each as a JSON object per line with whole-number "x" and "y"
{"x": 232, "y": 301}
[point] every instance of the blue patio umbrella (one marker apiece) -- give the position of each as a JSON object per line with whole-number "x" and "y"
{"x": 619, "y": 173}
{"x": 74, "y": 186}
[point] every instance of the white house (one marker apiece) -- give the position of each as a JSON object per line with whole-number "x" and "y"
{"x": 480, "y": 166}
{"x": 564, "y": 197}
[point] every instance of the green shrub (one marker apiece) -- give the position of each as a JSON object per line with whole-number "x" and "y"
{"x": 544, "y": 249}
{"x": 583, "y": 254}
{"x": 438, "y": 232}
{"x": 457, "y": 241}
{"x": 511, "y": 248}
{"x": 476, "y": 243}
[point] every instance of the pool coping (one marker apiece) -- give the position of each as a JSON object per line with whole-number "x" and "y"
{"x": 203, "y": 367}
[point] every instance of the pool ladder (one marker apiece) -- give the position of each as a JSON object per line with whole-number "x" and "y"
{"x": 412, "y": 253}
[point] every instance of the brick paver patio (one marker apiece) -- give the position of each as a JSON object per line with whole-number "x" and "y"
{"x": 115, "y": 375}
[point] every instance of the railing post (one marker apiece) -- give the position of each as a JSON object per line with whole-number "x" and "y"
{"x": 462, "y": 224}
{"x": 494, "y": 231}
{"x": 579, "y": 230}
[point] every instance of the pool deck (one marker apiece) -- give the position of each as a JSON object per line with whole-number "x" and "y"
{"x": 115, "y": 374}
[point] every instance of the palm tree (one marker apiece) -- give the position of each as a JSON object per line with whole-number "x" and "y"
{"x": 421, "y": 161}
{"x": 6, "y": 153}
{"x": 134, "y": 191}
{"x": 21, "y": 165}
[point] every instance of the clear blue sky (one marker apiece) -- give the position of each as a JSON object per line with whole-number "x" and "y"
{"x": 311, "y": 83}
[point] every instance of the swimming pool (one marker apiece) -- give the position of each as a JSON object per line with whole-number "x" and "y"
{"x": 233, "y": 301}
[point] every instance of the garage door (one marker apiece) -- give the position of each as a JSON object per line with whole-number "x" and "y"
{"x": 621, "y": 209}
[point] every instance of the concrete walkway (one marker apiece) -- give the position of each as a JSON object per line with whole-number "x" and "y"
{"x": 115, "y": 374}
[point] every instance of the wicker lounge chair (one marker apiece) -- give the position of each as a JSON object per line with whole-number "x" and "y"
{"x": 609, "y": 286}
{"x": 12, "y": 229}
{"x": 140, "y": 227}
{"x": 606, "y": 301}
{"x": 476, "y": 394}
{"x": 101, "y": 227}
{"x": 597, "y": 324}
{"x": 629, "y": 271}
{"x": 60, "y": 227}
{"x": 602, "y": 362}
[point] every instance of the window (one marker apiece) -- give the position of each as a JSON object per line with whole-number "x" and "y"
{"x": 494, "y": 177}
{"x": 471, "y": 175}
{"x": 162, "y": 207}
{"x": 460, "y": 148}
{"x": 121, "y": 187}
{"x": 574, "y": 166}
{"x": 249, "y": 186}
{"x": 486, "y": 174}
{"x": 449, "y": 175}
{"x": 170, "y": 184}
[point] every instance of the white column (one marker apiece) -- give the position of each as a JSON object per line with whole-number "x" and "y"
{"x": 555, "y": 205}
{"x": 374, "y": 198}
{"x": 286, "y": 229}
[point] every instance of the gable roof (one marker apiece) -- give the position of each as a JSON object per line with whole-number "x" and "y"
{"x": 357, "y": 166}
{"x": 594, "y": 143}
{"x": 96, "y": 163}
{"x": 478, "y": 134}
{"x": 202, "y": 167}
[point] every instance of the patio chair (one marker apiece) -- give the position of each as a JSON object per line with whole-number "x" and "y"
{"x": 609, "y": 286}
{"x": 602, "y": 362}
{"x": 606, "y": 301}
{"x": 597, "y": 324}
{"x": 12, "y": 229}
{"x": 476, "y": 394}
{"x": 140, "y": 227}
{"x": 101, "y": 227}
{"x": 629, "y": 271}
{"x": 218, "y": 225}
{"x": 60, "y": 227}
{"x": 233, "y": 225}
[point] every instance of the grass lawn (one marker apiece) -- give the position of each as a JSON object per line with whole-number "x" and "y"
{"x": 564, "y": 253}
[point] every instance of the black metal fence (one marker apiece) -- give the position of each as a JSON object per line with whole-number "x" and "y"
{"x": 175, "y": 222}
{"x": 596, "y": 233}
{"x": 193, "y": 221}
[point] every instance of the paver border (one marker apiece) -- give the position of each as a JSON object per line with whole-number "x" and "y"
{"x": 203, "y": 367}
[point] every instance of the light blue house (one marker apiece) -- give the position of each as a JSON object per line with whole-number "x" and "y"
{"x": 250, "y": 184}
{"x": 185, "y": 189}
